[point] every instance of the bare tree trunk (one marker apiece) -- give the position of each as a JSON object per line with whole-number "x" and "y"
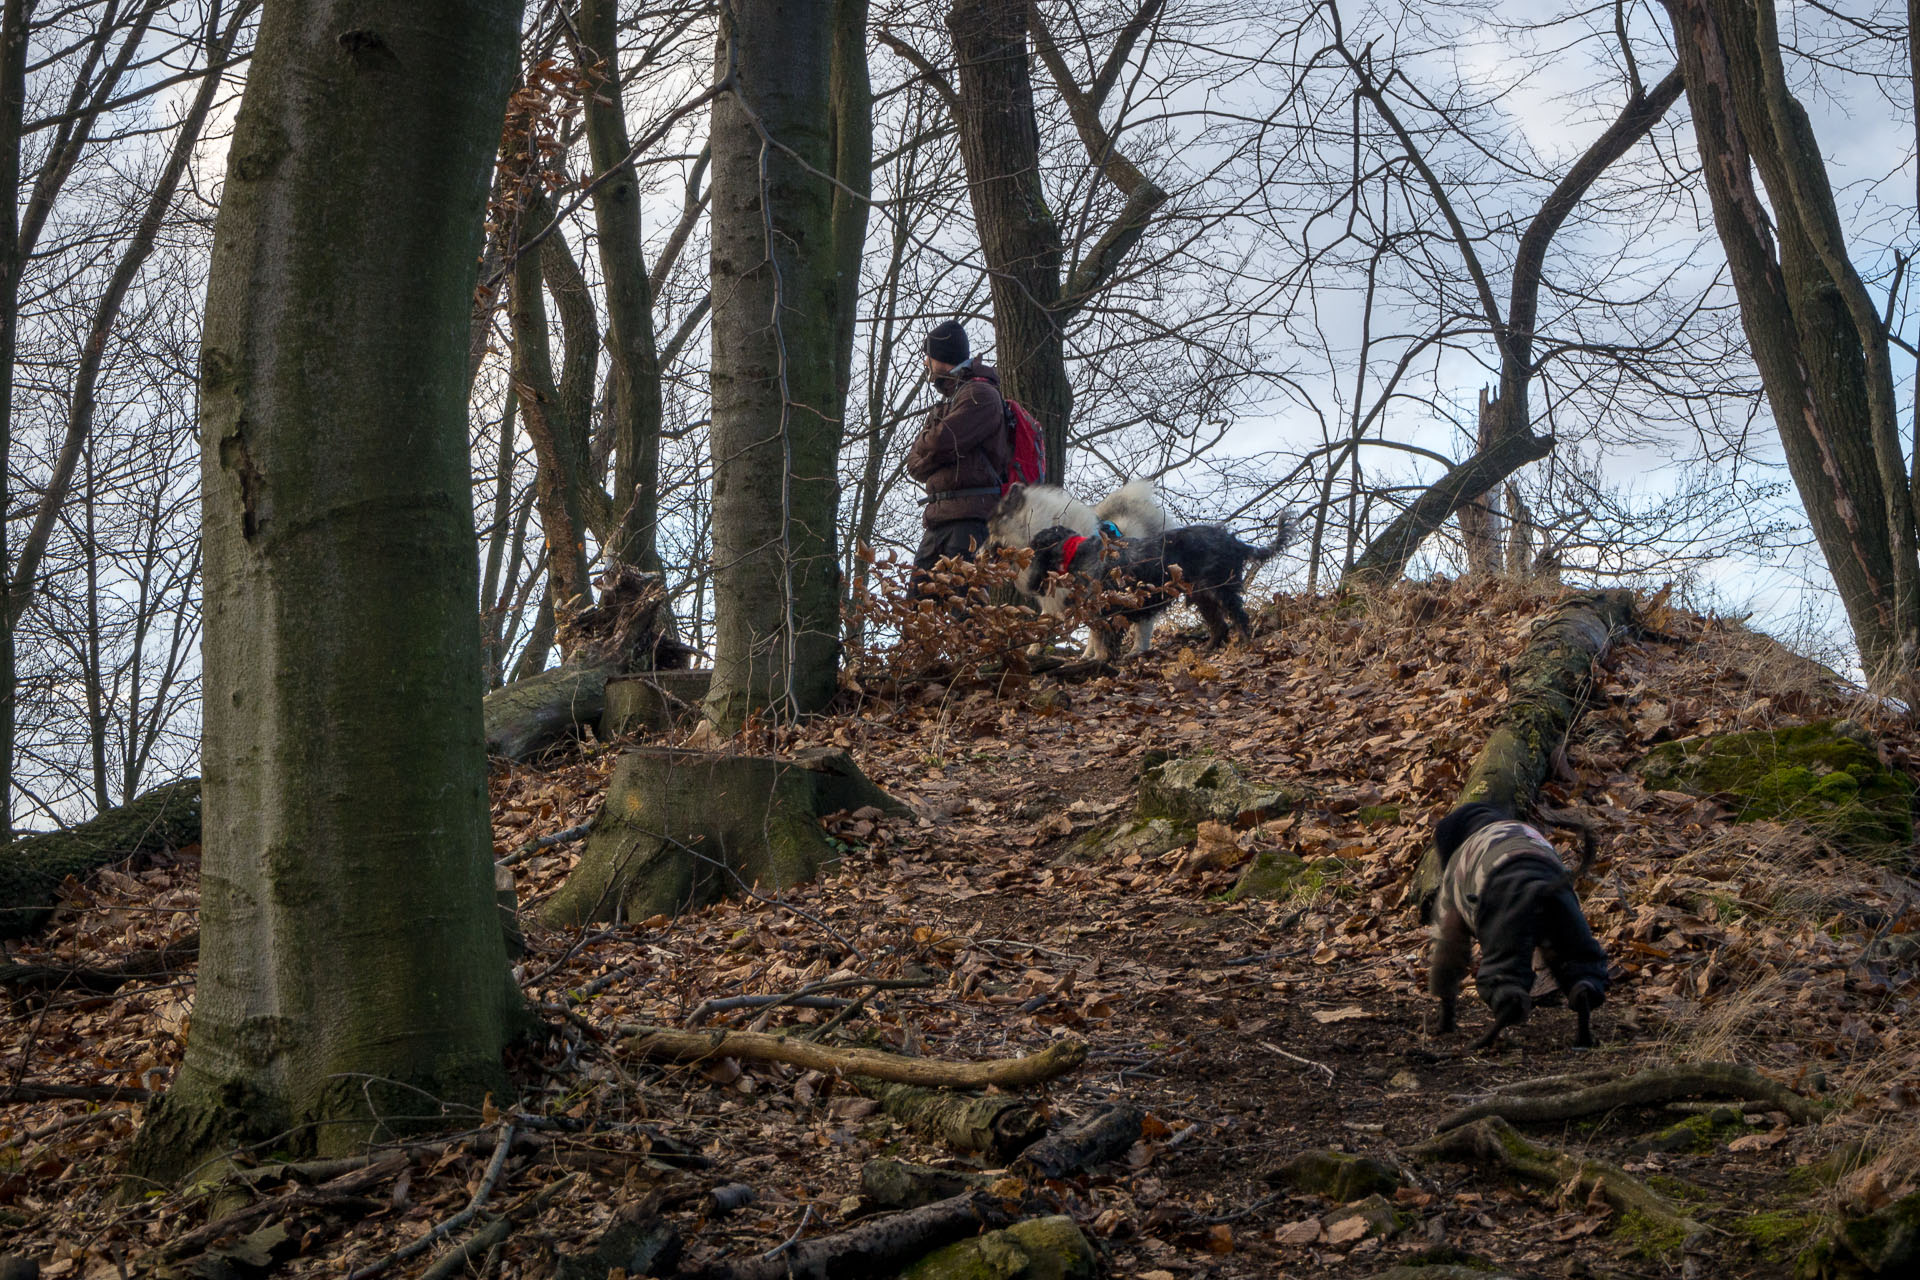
{"x": 785, "y": 270}
{"x": 1819, "y": 343}
{"x": 636, "y": 360}
{"x": 352, "y": 965}
{"x": 14, "y": 15}
{"x": 1480, "y": 517}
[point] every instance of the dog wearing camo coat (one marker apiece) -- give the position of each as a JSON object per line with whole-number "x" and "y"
{"x": 1503, "y": 885}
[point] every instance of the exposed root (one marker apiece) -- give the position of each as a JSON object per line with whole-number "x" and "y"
{"x": 1645, "y": 1089}
{"x": 1493, "y": 1141}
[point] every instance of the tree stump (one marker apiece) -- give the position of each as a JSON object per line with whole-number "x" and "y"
{"x": 652, "y": 701}
{"x": 680, "y": 829}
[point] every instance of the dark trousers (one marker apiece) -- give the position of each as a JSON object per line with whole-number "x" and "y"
{"x": 1530, "y": 903}
{"x": 948, "y": 538}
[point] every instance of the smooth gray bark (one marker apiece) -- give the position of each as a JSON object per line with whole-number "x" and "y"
{"x": 352, "y": 971}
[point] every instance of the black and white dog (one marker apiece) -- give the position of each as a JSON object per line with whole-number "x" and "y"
{"x": 1205, "y": 562}
{"x": 1503, "y": 884}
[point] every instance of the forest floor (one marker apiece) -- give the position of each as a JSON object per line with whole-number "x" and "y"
{"x": 1250, "y": 1030}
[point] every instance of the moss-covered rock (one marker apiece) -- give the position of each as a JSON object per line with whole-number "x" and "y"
{"x": 1375, "y": 815}
{"x": 1815, "y": 773}
{"x": 1144, "y": 837}
{"x": 1037, "y": 1249}
{"x": 1335, "y": 1175}
{"x": 1777, "y": 1235}
{"x": 1885, "y": 1243}
{"x": 1205, "y": 789}
{"x": 1697, "y": 1135}
{"x": 1274, "y": 876}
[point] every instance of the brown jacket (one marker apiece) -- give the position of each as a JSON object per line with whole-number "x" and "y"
{"x": 963, "y": 445}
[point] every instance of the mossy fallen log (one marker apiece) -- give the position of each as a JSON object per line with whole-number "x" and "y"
{"x": 1547, "y": 688}
{"x": 679, "y": 829}
{"x": 871, "y": 1249}
{"x": 32, "y": 867}
{"x": 1050, "y": 1248}
{"x": 996, "y": 1125}
{"x": 528, "y": 714}
{"x": 901, "y": 1184}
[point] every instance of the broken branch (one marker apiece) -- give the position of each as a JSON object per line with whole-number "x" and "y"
{"x": 1007, "y": 1073}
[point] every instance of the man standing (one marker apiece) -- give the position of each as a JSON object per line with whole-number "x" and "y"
{"x": 961, "y": 454}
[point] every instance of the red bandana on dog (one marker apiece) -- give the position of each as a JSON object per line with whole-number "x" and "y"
{"x": 1069, "y": 549}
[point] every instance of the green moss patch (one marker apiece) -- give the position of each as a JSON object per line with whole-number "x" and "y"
{"x": 1777, "y": 1235}
{"x": 1809, "y": 773}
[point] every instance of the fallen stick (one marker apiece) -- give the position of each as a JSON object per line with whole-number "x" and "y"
{"x": 674, "y": 1045}
{"x": 1102, "y": 1137}
{"x": 502, "y": 1145}
{"x": 1493, "y": 1141}
{"x": 872, "y": 1249}
{"x": 75, "y": 1093}
{"x": 995, "y": 1124}
{"x": 351, "y": 1183}
{"x": 1645, "y": 1089}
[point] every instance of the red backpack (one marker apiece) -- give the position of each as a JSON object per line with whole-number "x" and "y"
{"x": 1027, "y": 452}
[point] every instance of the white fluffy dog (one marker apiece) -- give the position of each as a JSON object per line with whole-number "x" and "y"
{"x": 1025, "y": 509}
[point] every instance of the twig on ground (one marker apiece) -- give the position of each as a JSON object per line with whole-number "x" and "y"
{"x": 74, "y": 1093}
{"x": 532, "y": 847}
{"x": 503, "y": 1144}
{"x": 1294, "y": 1057}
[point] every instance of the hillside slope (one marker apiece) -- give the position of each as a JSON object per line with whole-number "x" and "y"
{"x": 1250, "y": 1029}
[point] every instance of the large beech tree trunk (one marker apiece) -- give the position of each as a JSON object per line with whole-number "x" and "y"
{"x": 352, "y": 965}
{"x": 785, "y": 271}
{"x": 1546, "y": 691}
{"x": 1818, "y": 338}
{"x": 679, "y": 829}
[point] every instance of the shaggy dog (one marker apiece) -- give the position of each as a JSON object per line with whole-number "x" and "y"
{"x": 1503, "y": 884}
{"x": 1026, "y": 509}
{"x": 1205, "y": 562}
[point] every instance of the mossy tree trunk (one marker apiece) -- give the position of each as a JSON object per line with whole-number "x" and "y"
{"x": 1546, "y": 691}
{"x": 679, "y": 829}
{"x": 352, "y": 970}
{"x": 787, "y": 228}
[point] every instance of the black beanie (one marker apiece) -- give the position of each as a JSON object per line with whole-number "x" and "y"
{"x": 948, "y": 342}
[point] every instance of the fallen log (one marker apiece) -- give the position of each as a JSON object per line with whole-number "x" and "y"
{"x": 900, "y": 1184}
{"x": 1547, "y": 688}
{"x": 33, "y": 867}
{"x": 871, "y": 1249}
{"x": 1492, "y": 1141}
{"x": 1101, "y": 1137}
{"x": 159, "y": 962}
{"x": 631, "y": 629}
{"x": 997, "y": 1124}
{"x": 1050, "y": 1248}
{"x": 674, "y": 1045}
{"x": 679, "y": 829}
{"x": 1643, "y": 1089}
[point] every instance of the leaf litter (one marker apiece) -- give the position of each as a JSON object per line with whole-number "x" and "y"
{"x": 1250, "y": 1030}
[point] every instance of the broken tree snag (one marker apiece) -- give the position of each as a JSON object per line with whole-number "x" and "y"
{"x": 679, "y": 829}
{"x": 875, "y": 1248}
{"x": 631, "y": 629}
{"x": 997, "y": 1124}
{"x": 674, "y": 1045}
{"x": 1093, "y": 1141}
{"x": 1494, "y": 1142}
{"x": 1547, "y": 689}
{"x": 1645, "y": 1089}
{"x": 32, "y": 867}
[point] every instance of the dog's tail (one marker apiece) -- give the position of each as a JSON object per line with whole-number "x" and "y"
{"x": 1134, "y": 508}
{"x": 1287, "y": 528}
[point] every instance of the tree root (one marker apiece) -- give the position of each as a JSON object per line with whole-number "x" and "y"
{"x": 1645, "y": 1089}
{"x": 996, "y": 1125}
{"x": 1493, "y": 1141}
{"x": 670, "y": 1044}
